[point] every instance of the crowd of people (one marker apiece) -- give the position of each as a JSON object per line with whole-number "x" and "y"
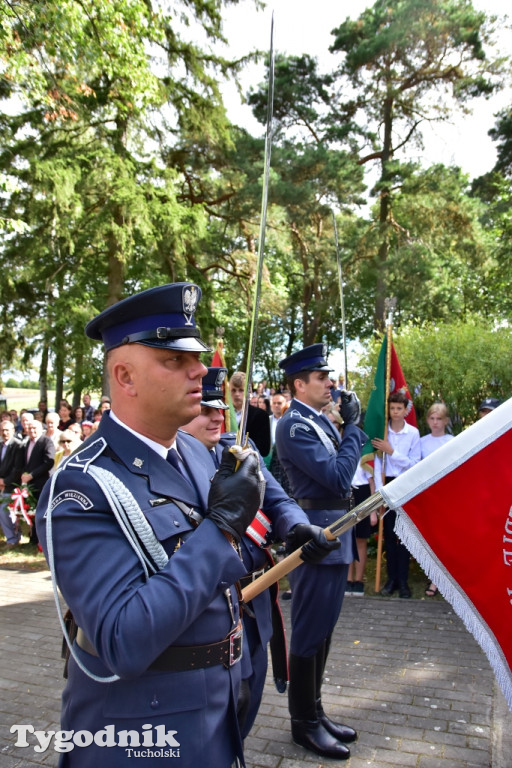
{"x": 33, "y": 444}
{"x": 152, "y": 529}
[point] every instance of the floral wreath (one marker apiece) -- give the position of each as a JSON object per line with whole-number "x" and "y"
{"x": 23, "y": 504}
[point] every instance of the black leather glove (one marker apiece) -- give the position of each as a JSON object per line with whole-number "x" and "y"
{"x": 350, "y": 408}
{"x": 315, "y": 544}
{"x": 234, "y": 497}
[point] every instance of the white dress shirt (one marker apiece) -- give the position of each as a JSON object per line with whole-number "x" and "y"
{"x": 406, "y": 452}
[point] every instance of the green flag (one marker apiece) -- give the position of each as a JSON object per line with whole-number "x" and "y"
{"x": 375, "y": 418}
{"x": 376, "y": 413}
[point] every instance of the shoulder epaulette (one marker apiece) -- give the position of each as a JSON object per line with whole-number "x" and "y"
{"x": 85, "y": 456}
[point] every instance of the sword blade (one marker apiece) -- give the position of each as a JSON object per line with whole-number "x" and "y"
{"x": 240, "y": 438}
{"x": 342, "y": 300}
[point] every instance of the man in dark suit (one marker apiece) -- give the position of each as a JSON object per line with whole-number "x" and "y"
{"x": 11, "y": 463}
{"x": 258, "y": 425}
{"x": 39, "y": 453}
{"x": 145, "y": 550}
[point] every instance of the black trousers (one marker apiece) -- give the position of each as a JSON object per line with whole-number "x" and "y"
{"x": 397, "y": 556}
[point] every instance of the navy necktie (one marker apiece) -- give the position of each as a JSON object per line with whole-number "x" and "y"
{"x": 174, "y": 459}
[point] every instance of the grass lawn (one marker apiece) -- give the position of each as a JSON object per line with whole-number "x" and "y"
{"x": 25, "y": 557}
{"x": 18, "y": 398}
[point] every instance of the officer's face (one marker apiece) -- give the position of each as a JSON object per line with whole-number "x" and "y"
{"x": 315, "y": 392}
{"x": 164, "y": 387}
{"x": 207, "y": 426}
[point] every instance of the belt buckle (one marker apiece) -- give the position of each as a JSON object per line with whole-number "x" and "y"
{"x": 257, "y": 574}
{"x": 235, "y": 645}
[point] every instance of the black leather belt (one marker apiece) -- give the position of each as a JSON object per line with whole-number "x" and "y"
{"x": 183, "y": 658}
{"x": 246, "y": 580}
{"x": 330, "y": 503}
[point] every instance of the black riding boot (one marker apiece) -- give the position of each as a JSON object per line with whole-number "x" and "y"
{"x": 340, "y": 732}
{"x": 307, "y": 730}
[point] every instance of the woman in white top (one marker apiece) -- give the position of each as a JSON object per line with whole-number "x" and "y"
{"x": 437, "y": 420}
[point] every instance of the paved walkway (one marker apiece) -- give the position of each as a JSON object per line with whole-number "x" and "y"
{"x": 405, "y": 673}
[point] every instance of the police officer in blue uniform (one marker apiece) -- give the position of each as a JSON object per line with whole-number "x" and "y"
{"x": 280, "y": 518}
{"x": 145, "y": 548}
{"x": 320, "y": 467}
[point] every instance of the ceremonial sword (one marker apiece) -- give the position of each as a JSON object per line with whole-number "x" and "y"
{"x": 241, "y": 437}
{"x": 342, "y": 300}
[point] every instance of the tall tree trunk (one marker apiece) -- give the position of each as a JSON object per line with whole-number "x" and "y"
{"x": 78, "y": 378}
{"x": 116, "y": 254}
{"x": 59, "y": 374}
{"x": 384, "y": 213}
{"x": 114, "y": 290}
{"x": 43, "y": 373}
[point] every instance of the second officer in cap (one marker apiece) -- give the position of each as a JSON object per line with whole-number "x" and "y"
{"x": 280, "y": 518}
{"x": 320, "y": 467}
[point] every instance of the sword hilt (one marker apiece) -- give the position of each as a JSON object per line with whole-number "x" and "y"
{"x": 236, "y": 449}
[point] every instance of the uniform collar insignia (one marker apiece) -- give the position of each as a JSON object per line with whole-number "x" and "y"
{"x": 138, "y": 463}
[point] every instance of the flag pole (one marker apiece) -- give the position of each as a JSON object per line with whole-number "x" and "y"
{"x": 389, "y": 325}
{"x": 281, "y": 569}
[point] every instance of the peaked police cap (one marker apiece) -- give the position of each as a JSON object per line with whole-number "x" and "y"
{"x": 161, "y": 317}
{"x": 310, "y": 358}
{"x": 489, "y": 404}
{"x": 213, "y": 396}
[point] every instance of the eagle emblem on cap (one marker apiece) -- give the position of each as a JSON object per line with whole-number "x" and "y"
{"x": 190, "y": 299}
{"x": 221, "y": 375}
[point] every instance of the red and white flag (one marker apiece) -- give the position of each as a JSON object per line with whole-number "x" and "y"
{"x": 455, "y": 517}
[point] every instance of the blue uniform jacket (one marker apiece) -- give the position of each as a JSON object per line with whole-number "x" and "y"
{"x": 314, "y": 472}
{"x": 130, "y": 619}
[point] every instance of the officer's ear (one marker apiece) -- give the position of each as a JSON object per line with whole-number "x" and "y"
{"x": 121, "y": 376}
{"x": 300, "y": 385}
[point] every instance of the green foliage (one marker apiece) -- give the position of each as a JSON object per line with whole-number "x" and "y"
{"x": 103, "y": 90}
{"x": 119, "y": 171}
{"x": 457, "y": 363}
{"x": 408, "y": 61}
{"x": 20, "y": 383}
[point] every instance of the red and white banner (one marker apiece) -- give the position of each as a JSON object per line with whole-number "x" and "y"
{"x": 455, "y": 517}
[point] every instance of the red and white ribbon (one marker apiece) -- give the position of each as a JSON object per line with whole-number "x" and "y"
{"x": 19, "y": 507}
